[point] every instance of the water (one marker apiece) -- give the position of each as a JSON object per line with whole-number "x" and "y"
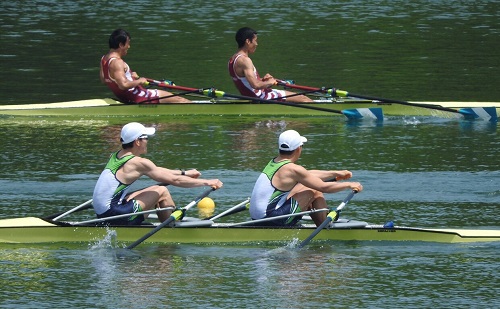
{"x": 418, "y": 171}
{"x": 335, "y": 276}
{"x": 409, "y": 173}
{"x": 408, "y": 50}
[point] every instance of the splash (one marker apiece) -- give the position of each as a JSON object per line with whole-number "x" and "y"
{"x": 411, "y": 121}
{"x": 109, "y": 241}
{"x": 494, "y": 193}
{"x": 294, "y": 243}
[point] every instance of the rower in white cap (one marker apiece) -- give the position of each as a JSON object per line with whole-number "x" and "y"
{"x": 285, "y": 188}
{"x": 111, "y": 196}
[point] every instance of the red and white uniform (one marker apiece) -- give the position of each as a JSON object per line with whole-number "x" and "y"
{"x": 132, "y": 95}
{"x": 244, "y": 86}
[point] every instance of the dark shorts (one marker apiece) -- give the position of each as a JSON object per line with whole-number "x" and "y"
{"x": 119, "y": 209}
{"x": 290, "y": 206}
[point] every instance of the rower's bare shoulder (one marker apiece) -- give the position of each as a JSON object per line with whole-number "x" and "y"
{"x": 292, "y": 170}
{"x": 244, "y": 61}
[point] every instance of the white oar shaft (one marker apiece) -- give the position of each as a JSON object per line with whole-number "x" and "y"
{"x": 279, "y": 217}
{"x": 122, "y": 216}
{"x": 341, "y": 206}
{"x": 222, "y": 214}
{"x": 73, "y": 210}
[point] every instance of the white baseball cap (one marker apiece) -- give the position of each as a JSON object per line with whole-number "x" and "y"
{"x": 132, "y": 131}
{"x": 290, "y": 140}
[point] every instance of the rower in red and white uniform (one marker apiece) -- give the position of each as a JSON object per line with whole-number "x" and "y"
{"x": 126, "y": 84}
{"x": 245, "y": 75}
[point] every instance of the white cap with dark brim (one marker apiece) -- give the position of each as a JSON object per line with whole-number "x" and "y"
{"x": 133, "y": 130}
{"x": 290, "y": 140}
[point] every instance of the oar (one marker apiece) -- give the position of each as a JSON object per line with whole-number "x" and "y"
{"x": 295, "y": 94}
{"x": 57, "y": 216}
{"x": 122, "y": 216}
{"x": 83, "y": 206}
{"x": 288, "y": 84}
{"x": 358, "y": 113}
{"x": 487, "y": 113}
{"x": 297, "y": 214}
{"x": 175, "y": 87}
{"x": 245, "y": 205}
{"x": 333, "y": 215}
{"x": 235, "y": 209}
{"x": 176, "y": 215}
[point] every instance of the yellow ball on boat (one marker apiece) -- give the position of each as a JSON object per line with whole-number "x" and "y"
{"x": 206, "y": 207}
{"x": 206, "y": 203}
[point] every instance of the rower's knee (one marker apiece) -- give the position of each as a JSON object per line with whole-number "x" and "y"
{"x": 162, "y": 191}
{"x": 318, "y": 194}
{"x": 164, "y": 199}
{"x": 165, "y": 191}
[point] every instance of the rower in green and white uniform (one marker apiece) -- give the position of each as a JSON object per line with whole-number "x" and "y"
{"x": 285, "y": 188}
{"x": 269, "y": 201}
{"x": 110, "y": 193}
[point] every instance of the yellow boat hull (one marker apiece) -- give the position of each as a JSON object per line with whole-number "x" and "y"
{"x": 36, "y": 230}
{"x": 110, "y": 107}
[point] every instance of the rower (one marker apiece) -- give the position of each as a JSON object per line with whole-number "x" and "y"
{"x": 245, "y": 75}
{"x": 126, "y": 84}
{"x": 284, "y": 187}
{"x": 111, "y": 193}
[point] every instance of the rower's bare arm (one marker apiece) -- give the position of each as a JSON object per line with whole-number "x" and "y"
{"x": 309, "y": 179}
{"x": 332, "y": 175}
{"x": 175, "y": 178}
{"x": 117, "y": 72}
{"x": 193, "y": 173}
{"x": 246, "y": 66}
{"x": 101, "y": 76}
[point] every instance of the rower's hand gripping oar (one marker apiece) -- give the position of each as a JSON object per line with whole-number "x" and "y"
{"x": 332, "y": 216}
{"x": 176, "y": 215}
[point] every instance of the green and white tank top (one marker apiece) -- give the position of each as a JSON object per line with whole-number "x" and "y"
{"x": 108, "y": 188}
{"x": 264, "y": 191}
